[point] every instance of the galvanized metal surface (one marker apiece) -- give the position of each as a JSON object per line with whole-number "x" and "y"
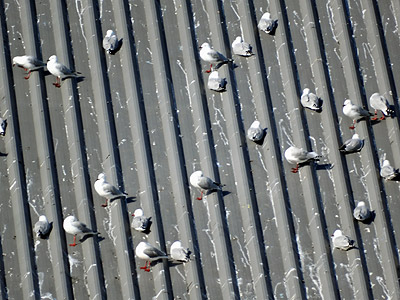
{"x": 145, "y": 117}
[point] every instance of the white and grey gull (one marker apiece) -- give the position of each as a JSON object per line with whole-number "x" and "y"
{"x": 299, "y": 156}
{"x": 60, "y": 71}
{"x": 106, "y": 190}
{"x": 378, "y": 102}
{"x": 72, "y": 226}
{"x": 42, "y": 227}
{"x": 352, "y": 145}
{"x": 28, "y": 63}
{"x": 204, "y": 183}
{"x": 149, "y": 253}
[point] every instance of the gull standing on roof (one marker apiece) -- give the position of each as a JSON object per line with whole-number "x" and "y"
{"x": 106, "y": 190}
{"x": 267, "y": 24}
{"x": 179, "y": 253}
{"x": 110, "y": 42}
{"x": 387, "y": 171}
{"x": 241, "y": 48}
{"x": 71, "y": 225}
{"x": 361, "y": 212}
{"x": 3, "y": 126}
{"x": 204, "y": 183}
{"x": 215, "y": 82}
{"x": 310, "y": 100}
{"x": 354, "y": 112}
{"x": 354, "y": 144}
{"x": 59, "y": 70}
{"x": 299, "y": 156}
{"x": 42, "y": 227}
{"x": 341, "y": 241}
{"x": 140, "y": 222}
{"x": 379, "y": 102}
{"x": 210, "y": 55}
{"x": 149, "y": 253}
{"x": 255, "y": 132}
{"x": 28, "y": 63}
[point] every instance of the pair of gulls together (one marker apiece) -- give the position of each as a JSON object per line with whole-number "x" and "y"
{"x": 150, "y": 253}
{"x": 30, "y": 63}
{"x": 341, "y": 241}
{"x": 300, "y": 156}
{"x": 71, "y": 225}
{"x": 239, "y": 47}
{"x": 377, "y": 102}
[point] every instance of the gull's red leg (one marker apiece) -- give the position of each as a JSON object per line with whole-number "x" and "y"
{"x": 209, "y": 70}
{"x": 375, "y": 116}
{"x": 28, "y": 75}
{"x": 201, "y": 196}
{"x": 295, "y": 170}
{"x": 383, "y": 117}
{"x": 74, "y": 244}
{"x": 105, "y": 204}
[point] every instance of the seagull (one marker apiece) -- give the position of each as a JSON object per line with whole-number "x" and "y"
{"x": 379, "y": 102}
{"x": 361, "y": 212}
{"x": 106, "y": 190}
{"x": 354, "y": 144}
{"x": 298, "y": 156}
{"x": 310, "y": 100}
{"x": 387, "y": 171}
{"x": 149, "y": 253}
{"x": 71, "y": 225}
{"x": 204, "y": 183}
{"x": 110, "y": 42}
{"x": 139, "y": 221}
{"x": 179, "y": 253}
{"x": 3, "y": 126}
{"x": 341, "y": 241}
{"x": 354, "y": 112}
{"x": 42, "y": 227}
{"x": 59, "y": 70}
{"x": 210, "y": 55}
{"x": 239, "y": 47}
{"x": 215, "y": 82}
{"x": 266, "y": 24}
{"x": 28, "y": 63}
{"x": 255, "y": 133}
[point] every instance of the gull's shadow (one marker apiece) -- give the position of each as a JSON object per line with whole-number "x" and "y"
{"x": 46, "y": 73}
{"x": 3, "y": 154}
{"x": 261, "y": 141}
{"x": 46, "y": 237}
{"x": 148, "y": 229}
{"x": 92, "y": 234}
{"x": 396, "y": 178}
{"x": 120, "y": 42}
{"x": 327, "y": 166}
{"x": 370, "y": 219}
{"x": 130, "y": 199}
{"x": 225, "y": 193}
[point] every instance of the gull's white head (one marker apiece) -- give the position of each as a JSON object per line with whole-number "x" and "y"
{"x": 205, "y": 45}
{"x": 53, "y": 58}
{"x": 266, "y": 15}
{"x": 176, "y": 244}
{"x": 138, "y": 212}
{"x": 347, "y": 102}
{"x": 355, "y": 136}
{"x": 109, "y": 33}
{"x": 337, "y": 233}
{"x": 385, "y": 163}
{"x": 238, "y": 39}
{"x": 101, "y": 176}
{"x": 43, "y": 218}
{"x": 306, "y": 91}
{"x": 361, "y": 203}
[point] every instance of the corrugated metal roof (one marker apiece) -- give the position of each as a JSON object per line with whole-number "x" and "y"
{"x": 145, "y": 117}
